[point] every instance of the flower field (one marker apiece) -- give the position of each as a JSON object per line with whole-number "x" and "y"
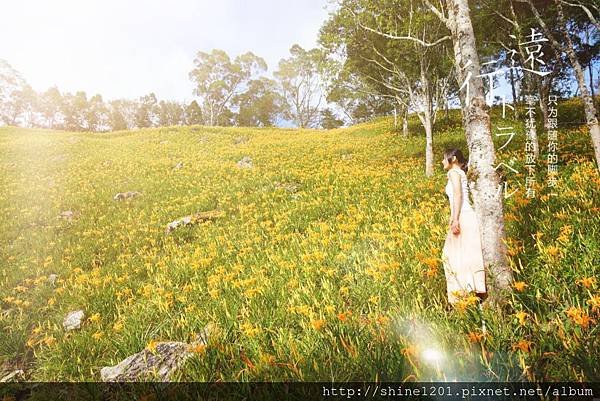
{"x": 324, "y": 265}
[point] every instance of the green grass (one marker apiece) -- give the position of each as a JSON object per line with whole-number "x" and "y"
{"x": 340, "y": 280}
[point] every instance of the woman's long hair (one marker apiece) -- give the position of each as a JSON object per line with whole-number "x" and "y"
{"x": 450, "y": 153}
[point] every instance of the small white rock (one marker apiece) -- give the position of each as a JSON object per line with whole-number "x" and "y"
{"x": 67, "y": 214}
{"x": 18, "y": 372}
{"x": 245, "y": 162}
{"x": 126, "y": 195}
{"x": 73, "y": 320}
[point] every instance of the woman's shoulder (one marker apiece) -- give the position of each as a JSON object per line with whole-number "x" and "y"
{"x": 458, "y": 170}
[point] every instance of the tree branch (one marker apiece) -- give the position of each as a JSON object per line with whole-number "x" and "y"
{"x": 395, "y": 37}
{"x": 437, "y": 12}
{"x": 586, "y": 10}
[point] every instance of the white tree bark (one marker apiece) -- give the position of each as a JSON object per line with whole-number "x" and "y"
{"x": 484, "y": 181}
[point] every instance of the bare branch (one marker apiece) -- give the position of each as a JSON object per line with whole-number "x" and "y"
{"x": 540, "y": 21}
{"x": 396, "y": 37}
{"x": 437, "y": 12}
{"x": 586, "y": 10}
{"x": 493, "y": 9}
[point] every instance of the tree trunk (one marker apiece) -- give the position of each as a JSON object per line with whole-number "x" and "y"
{"x": 544, "y": 92}
{"x": 428, "y": 145}
{"x": 514, "y": 94}
{"x": 591, "y": 79}
{"x": 591, "y": 115}
{"x": 588, "y": 102}
{"x": 427, "y": 120}
{"x": 446, "y": 111}
{"x": 484, "y": 180}
{"x": 405, "y": 124}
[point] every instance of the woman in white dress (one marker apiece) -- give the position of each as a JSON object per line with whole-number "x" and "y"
{"x": 462, "y": 255}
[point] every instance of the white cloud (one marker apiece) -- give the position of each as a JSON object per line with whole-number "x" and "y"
{"x": 130, "y": 48}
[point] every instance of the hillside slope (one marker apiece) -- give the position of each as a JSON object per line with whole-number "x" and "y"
{"x": 324, "y": 266}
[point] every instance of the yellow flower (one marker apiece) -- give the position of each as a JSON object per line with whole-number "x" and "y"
{"x": 522, "y": 345}
{"x": 249, "y": 329}
{"x": 475, "y": 337}
{"x": 198, "y": 348}
{"x": 317, "y": 324}
{"x": 431, "y": 262}
{"x": 97, "y": 335}
{"x": 49, "y": 340}
{"x": 594, "y": 302}
{"x": 579, "y": 317}
{"x": 94, "y": 318}
{"x": 587, "y": 282}
{"x": 519, "y": 286}
{"x": 565, "y": 233}
{"x": 344, "y": 316}
{"x": 521, "y": 316}
{"x": 552, "y": 251}
{"x": 118, "y": 326}
{"x": 152, "y": 345}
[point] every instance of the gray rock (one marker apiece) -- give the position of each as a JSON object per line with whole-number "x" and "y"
{"x": 347, "y": 156}
{"x": 240, "y": 140}
{"x": 193, "y": 219}
{"x": 8, "y": 377}
{"x": 52, "y": 279}
{"x": 245, "y": 162}
{"x": 159, "y": 363}
{"x": 73, "y": 320}
{"x": 67, "y": 214}
{"x": 126, "y": 195}
{"x": 178, "y": 166}
{"x": 291, "y": 187}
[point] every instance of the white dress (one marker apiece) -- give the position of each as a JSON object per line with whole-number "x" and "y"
{"x": 462, "y": 256}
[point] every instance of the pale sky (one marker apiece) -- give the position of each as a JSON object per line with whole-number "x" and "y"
{"x": 129, "y": 48}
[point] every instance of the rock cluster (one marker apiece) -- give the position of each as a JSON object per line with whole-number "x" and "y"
{"x": 245, "y": 162}
{"x": 126, "y": 195}
{"x": 194, "y": 219}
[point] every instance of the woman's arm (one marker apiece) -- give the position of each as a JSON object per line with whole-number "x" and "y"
{"x": 456, "y": 201}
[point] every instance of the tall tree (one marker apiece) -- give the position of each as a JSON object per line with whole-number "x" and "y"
{"x": 145, "y": 115}
{"x": 97, "y": 114}
{"x": 566, "y": 44}
{"x": 301, "y": 89}
{"x": 193, "y": 114}
{"x": 51, "y": 104}
{"x": 329, "y": 119}
{"x": 122, "y": 114}
{"x": 13, "y": 90}
{"x": 259, "y": 105}
{"x": 74, "y": 108}
{"x": 411, "y": 72}
{"x": 484, "y": 180}
{"x": 218, "y": 80}
{"x": 170, "y": 113}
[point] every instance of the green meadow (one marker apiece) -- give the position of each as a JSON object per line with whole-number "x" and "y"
{"x": 323, "y": 265}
